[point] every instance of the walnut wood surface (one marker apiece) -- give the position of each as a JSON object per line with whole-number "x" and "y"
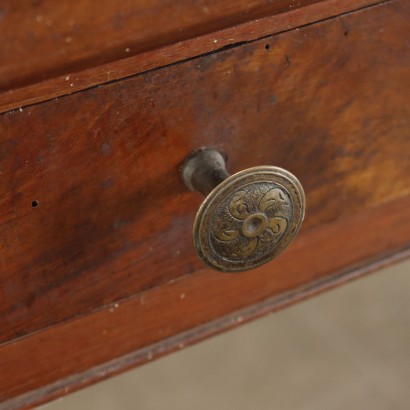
{"x": 74, "y": 354}
{"x": 328, "y": 101}
{"x": 59, "y": 49}
{"x": 58, "y": 36}
{"x": 114, "y": 218}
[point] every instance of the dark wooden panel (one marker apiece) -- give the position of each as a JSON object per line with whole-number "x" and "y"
{"x": 113, "y": 217}
{"x": 37, "y": 67}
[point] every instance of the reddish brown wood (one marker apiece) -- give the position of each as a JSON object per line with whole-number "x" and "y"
{"x": 113, "y": 217}
{"x": 66, "y": 357}
{"x": 59, "y": 68}
{"x": 113, "y": 221}
{"x": 58, "y": 36}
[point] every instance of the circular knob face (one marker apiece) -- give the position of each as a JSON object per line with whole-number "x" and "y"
{"x": 249, "y": 218}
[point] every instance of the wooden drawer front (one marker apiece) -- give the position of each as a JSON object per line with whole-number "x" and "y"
{"x": 329, "y": 102}
{"x": 113, "y": 217}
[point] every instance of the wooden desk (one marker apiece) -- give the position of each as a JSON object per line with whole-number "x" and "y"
{"x": 98, "y": 272}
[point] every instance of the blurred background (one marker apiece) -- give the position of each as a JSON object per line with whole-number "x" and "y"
{"x": 346, "y": 349}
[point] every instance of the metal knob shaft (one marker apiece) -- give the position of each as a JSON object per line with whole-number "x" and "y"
{"x": 246, "y": 219}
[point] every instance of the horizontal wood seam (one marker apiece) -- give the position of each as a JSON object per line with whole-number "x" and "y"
{"x": 169, "y": 55}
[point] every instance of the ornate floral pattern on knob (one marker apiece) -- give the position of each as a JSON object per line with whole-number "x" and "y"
{"x": 249, "y": 218}
{"x": 250, "y": 222}
{"x": 256, "y": 224}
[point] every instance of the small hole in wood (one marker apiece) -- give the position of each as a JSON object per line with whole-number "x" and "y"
{"x": 267, "y": 46}
{"x": 35, "y": 204}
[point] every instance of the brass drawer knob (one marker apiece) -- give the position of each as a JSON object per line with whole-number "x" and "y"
{"x": 246, "y": 219}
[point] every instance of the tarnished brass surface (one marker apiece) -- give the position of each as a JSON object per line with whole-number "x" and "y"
{"x": 248, "y": 218}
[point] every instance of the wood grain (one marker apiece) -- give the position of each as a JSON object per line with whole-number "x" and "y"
{"x": 140, "y": 329}
{"x": 60, "y": 36}
{"x": 114, "y": 218}
{"x": 97, "y": 268}
{"x": 37, "y": 67}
